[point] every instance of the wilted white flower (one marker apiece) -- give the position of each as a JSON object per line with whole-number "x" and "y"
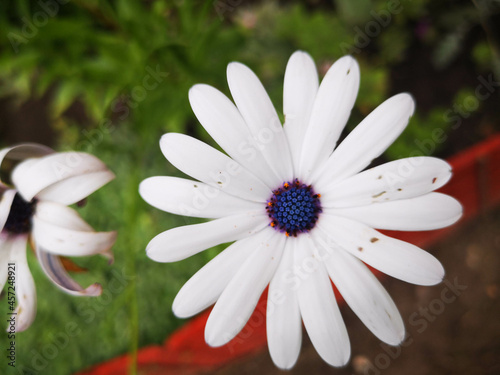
{"x": 36, "y": 185}
{"x": 300, "y": 210}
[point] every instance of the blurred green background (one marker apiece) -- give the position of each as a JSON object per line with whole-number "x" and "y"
{"x": 110, "y": 77}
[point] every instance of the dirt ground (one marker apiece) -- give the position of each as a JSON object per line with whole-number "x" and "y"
{"x": 452, "y": 328}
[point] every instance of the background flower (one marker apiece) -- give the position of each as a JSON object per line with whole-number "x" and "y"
{"x": 37, "y": 186}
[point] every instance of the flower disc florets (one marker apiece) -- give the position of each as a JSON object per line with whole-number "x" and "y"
{"x": 19, "y": 219}
{"x": 293, "y": 208}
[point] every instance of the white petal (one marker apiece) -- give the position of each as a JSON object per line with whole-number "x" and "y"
{"x": 10, "y": 156}
{"x": 396, "y": 258}
{"x": 5, "y": 204}
{"x": 74, "y": 189}
{"x": 182, "y": 242}
{"x": 61, "y": 216}
{"x": 192, "y": 198}
{"x": 331, "y": 110}
{"x": 368, "y": 140}
{"x": 25, "y": 286}
{"x": 299, "y": 92}
{"x": 284, "y": 325}
{"x": 399, "y": 179}
{"x": 318, "y": 306}
{"x": 260, "y": 115}
{"x": 427, "y": 212}
{"x": 24, "y": 151}
{"x": 238, "y": 300}
{"x": 55, "y": 271}
{"x": 5, "y": 247}
{"x": 222, "y": 120}
{"x": 364, "y": 294}
{"x": 60, "y": 240}
{"x": 32, "y": 176}
{"x": 206, "y": 164}
{"x": 204, "y": 288}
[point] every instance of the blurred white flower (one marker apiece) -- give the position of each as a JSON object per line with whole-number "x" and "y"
{"x": 36, "y": 185}
{"x": 301, "y": 210}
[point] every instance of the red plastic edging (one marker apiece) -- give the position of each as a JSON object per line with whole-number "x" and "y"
{"x": 475, "y": 183}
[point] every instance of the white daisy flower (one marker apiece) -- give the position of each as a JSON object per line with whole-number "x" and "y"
{"x": 299, "y": 210}
{"x": 36, "y": 185}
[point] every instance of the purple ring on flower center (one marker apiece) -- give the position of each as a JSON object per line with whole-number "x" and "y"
{"x": 294, "y": 208}
{"x": 19, "y": 219}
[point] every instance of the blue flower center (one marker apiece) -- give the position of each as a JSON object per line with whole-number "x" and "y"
{"x": 293, "y": 208}
{"x": 19, "y": 219}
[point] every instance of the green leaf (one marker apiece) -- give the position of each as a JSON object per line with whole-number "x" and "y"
{"x": 354, "y": 12}
{"x": 65, "y": 95}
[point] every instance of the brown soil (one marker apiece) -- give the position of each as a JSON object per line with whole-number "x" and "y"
{"x": 447, "y": 333}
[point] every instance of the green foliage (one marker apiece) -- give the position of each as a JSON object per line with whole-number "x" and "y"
{"x": 130, "y": 64}
{"x": 422, "y": 137}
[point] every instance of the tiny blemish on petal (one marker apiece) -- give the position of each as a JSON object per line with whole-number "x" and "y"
{"x": 373, "y": 239}
{"x": 195, "y": 186}
{"x": 434, "y": 180}
{"x": 379, "y": 177}
{"x": 379, "y": 194}
{"x": 360, "y": 248}
{"x": 400, "y": 189}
